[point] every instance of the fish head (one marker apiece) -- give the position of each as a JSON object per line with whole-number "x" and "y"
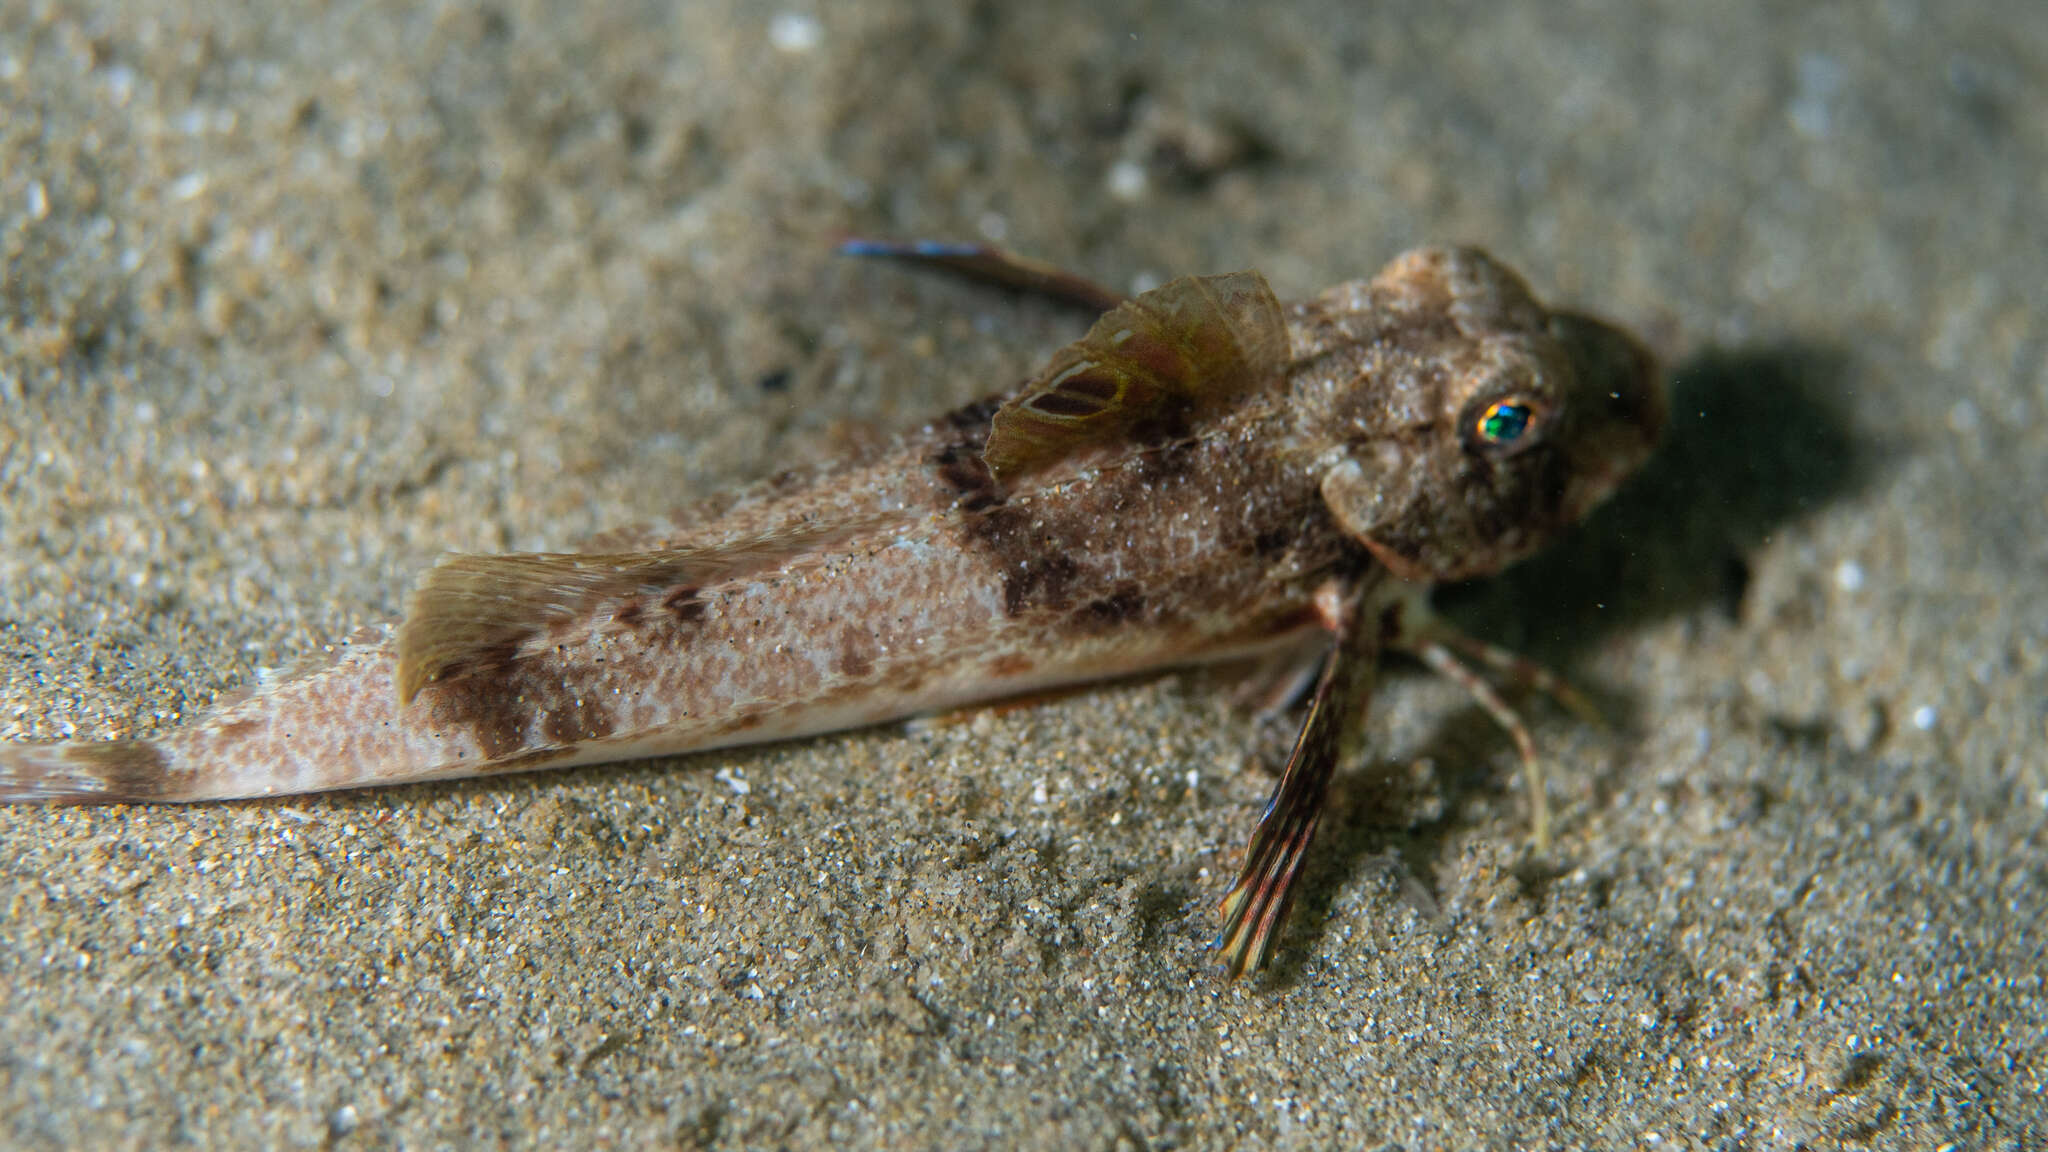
{"x": 1480, "y": 424}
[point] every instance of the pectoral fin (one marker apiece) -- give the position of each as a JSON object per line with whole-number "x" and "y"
{"x": 1257, "y": 905}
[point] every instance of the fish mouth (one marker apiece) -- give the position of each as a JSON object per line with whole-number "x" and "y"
{"x": 1619, "y": 409}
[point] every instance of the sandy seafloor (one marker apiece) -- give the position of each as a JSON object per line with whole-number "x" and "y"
{"x": 295, "y": 297}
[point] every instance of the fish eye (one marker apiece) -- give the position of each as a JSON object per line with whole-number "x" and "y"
{"x": 1505, "y": 426}
{"x": 1503, "y": 422}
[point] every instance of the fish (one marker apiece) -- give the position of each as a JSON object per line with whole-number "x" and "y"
{"x": 1208, "y": 475}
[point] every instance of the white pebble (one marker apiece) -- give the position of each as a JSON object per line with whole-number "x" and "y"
{"x": 1128, "y": 181}
{"x": 794, "y": 32}
{"x": 120, "y": 83}
{"x": 1924, "y": 717}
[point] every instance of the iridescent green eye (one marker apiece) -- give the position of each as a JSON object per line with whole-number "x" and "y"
{"x": 1504, "y": 422}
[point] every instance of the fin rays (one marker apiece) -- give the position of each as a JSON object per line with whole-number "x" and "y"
{"x": 1257, "y": 904}
{"x": 471, "y": 610}
{"x": 1148, "y": 370}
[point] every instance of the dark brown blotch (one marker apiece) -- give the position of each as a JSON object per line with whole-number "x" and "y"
{"x": 1171, "y": 421}
{"x": 1123, "y": 605}
{"x": 854, "y": 661}
{"x": 123, "y": 770}
{"x": 973, "y": 418}
{"x": 501, "y": 709}
{"x": 487, "y": 702}
{"x": 1033, "y": 558}
{"x": 501, "y": 696}
{"x": 1390, "y": 622}
{"x": 1271, "y": 542}
{"x": 964, "y": 478}
{"x": 684, "y": 604}
{"x": 1171, "y": 462}
{"x": 1042, "y": 581}
{"x": 576, "y": 719}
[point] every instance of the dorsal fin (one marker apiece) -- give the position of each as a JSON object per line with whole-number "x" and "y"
{"x": 468, "y": 608}
{"x": 471, "y": 610}
{"x": 1146, "y": 372}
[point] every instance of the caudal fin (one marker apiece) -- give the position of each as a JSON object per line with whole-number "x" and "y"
{"x": 98, "y": 772}
{"x": 332, "y": 723}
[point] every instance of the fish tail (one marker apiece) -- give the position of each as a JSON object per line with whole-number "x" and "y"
{"x": 334, "y": 723}
{"x": 89, "y": 772}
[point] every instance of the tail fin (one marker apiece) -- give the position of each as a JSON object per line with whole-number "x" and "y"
{"x": 332, "y": 722}
{"x": 98, "y": 772}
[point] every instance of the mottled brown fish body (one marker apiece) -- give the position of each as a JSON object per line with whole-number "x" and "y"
{"x": 1205, "y": 475}
{"x": 950, "y": 596}
{"x": 954, "y": 594}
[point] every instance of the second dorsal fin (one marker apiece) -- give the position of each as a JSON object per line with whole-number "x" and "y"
{"x": 471, "y": 611}
{"x": 1145, "y": 373}
{"x": 472, "y": 608}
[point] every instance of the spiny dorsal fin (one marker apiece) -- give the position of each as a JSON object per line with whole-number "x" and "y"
{"x": 471, "y": 610}
{"x": 1145, "y": 373}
